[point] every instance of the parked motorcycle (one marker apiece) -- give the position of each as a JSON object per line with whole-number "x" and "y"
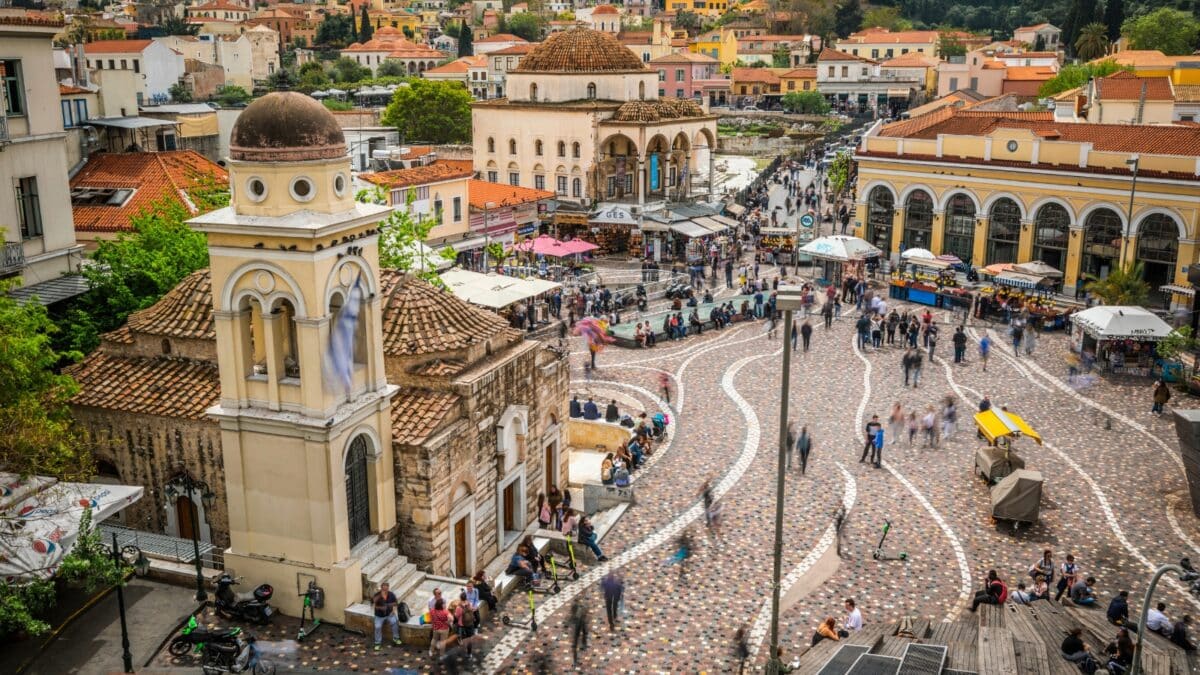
{"x": 239, "y": 657}
{"x": 253, "y": 606}
{"x": 193, "y": 638}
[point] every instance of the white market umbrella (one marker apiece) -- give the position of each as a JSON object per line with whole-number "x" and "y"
{"x": 1038, "y": 268}
{"x": 921, "y": 253}
{"x": 1110, "y": 322}
{"x": 840, "y": 247}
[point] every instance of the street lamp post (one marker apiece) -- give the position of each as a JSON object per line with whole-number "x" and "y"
{"x": 487, "y": 237}
{"x": 1136, "y": 668}
{"x": 184, "y": 484}
{"x": 789, "y": 299}
{"x": 1133, "y": 163}
{"x": 140, "y": 566}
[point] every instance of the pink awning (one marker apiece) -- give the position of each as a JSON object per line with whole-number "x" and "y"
{"x": 549, "y": 246}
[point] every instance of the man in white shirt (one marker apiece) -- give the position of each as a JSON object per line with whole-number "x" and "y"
{"x": 1158, "y": 622}
{"x": 1021, "y": 596}
{"x": 853, "y": 622}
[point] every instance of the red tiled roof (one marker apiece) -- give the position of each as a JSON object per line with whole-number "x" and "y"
{"x": 419, "y": 319}
{"x": 761, "y": 75}
{"x": 421, "y": 175}
{"x": 1125, "y": 86}
{"x": 220, "y": 5}
{"x": 1036, "y": 26}
{"x": 878, "y": 36}
{"x": 116, "y": 46}
{"x": 684, "y": 57}
{"x": 480, "y": 192}
{"x": 184, "y": 312}
{"x": 1027, "y": 55}
{"x": 515, "y": 50}
{"x": 1029, "y": 73}
{"x": 31, "y": 18}
{"x": 500, "y": 37}
{"x": 166, "y": 387}
{"x": 605, "y": 9}
{"x": 153, "y": 176}
{"x": 417, "y": 413}
{"x": 911, "y": 60}
{"x": 830, "y": 54}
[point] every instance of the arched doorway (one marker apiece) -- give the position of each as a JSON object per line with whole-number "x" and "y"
{"x": 960, "y": 227}
{"x": 1102, "y": 243}
{"x": 462, "y": 532}
{"x": 918, "y": 220}
{"x": 1004, "y": 231}
{"x": 1157, "y": 250}
{"x": 186, "y": 517}
{"x": 358, "y": 498}
{"x": 881, "y": 209}
{"x": 1052, "y": 229}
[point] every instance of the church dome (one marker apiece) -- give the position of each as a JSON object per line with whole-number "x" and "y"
{"x": 419, "y": 319}
{"x": 580, "y": 50}
{"x": 286, "y": 127}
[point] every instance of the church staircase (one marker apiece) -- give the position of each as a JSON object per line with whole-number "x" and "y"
{"x": 380, "y": 563}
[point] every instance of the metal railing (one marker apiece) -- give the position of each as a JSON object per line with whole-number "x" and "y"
{"x": 12, "y": 257}
{"x": 164, "y": 546}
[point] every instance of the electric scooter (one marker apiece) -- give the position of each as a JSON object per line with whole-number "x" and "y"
{"x": 314, "y": 599}
{"x": 529, "y": 624}
{"x": 879, "y": 554}
{"x": 572, "y": 563}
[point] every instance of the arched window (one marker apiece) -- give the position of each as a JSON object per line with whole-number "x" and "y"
{"x": 576, "y": 188}
{"x": 880, "y": 208}
{"x": 575, "y": 150}
{"x": 533, "y": 91}
{"x": 537, "y": 148}
{"x": 360, "y": 331}
{"x": 562, "y": 149}
{"x": 1004, "y": 231}
{"x": 254, "y": 346}
{"x": 1101, "y": 243}
{"x": 591, "y": 90}
{"x": 1158, "y": 249}
{"x": 960, "y": 227}
{"x": 491, "y": 144}
{"x": 512, "y": 146}
{"x": 285, "y": 336}
{"x": 918, "y": 220}
{"x": 1052, "y": 230}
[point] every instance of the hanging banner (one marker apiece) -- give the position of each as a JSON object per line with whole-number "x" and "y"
{"x": 654, "y": 177}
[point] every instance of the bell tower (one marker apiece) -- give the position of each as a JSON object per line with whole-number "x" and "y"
{"x": 305, "y": 411}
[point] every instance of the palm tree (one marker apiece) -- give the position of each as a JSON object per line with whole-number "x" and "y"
{"x": 1092, "y": 42}
{"x": 1122, "y": 286}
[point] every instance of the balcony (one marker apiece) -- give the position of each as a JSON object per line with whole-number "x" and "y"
{"x": 12, "y": 257}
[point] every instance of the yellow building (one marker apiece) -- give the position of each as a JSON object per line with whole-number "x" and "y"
{"x": 798, "y": 79}
{"x": 709, "y": 8}
{"x": 721, "y": 44}
{"x": 1011, "y": 187}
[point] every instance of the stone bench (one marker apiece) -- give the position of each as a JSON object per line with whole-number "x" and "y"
{"x": 504, "y": 583}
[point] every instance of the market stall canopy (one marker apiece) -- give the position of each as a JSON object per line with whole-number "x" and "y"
{"x": 494, "y": 291}
{"x": 39, "y": 520}
{"x": 736, "y": 210}
{"x": 1176, "y": 288}
{"x": 777, "y": 232}
{"x": 690, "y": 229}
{"x": 1109, "y": 322}
{"x": 1019, "y": 280}
{"x": 549, "y": 246}
{"x": 933, "y": 263}
{"x": 950, "y": 258}
{"x": 710, "y": 223}
{"x": 841, "y": 248}
{"x": 994, "y": 424}
{"x": 922, "y": 253}
{"x": 1038, "y": 268}
{"x": 997, "y": 268}
{"x": 1018, "y": 497}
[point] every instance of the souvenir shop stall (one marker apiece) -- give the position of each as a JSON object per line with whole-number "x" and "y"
{"x": 1118, "y": 339}
{"x": 839, "y": 255}
{"x": 1013, "y": 288}
{"x": 781, "y": 241}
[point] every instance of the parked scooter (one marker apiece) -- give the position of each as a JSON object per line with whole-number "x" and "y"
{"x": 240, "y": 657}
{"x": 253, "y": 606}
{"x": 193, "y": 638}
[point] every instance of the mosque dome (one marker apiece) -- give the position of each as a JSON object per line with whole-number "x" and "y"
{"x": 286, "y": 127}
{"x": 580, "y": 50}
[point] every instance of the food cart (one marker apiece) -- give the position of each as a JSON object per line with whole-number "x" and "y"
{"x": 1012, "y": 290}
{"x": 1000, "y": 428}
{"x": 839, "y": 254}
{"x": 1119, "y": 339}
{"x": 778, "y": 240}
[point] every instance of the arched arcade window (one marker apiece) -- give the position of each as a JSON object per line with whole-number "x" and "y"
{"x": 1004, "y": 231}
{"x": 1052, "y": 230}
{"x": 960, "y": 227}
{"x": 918, "y": 220}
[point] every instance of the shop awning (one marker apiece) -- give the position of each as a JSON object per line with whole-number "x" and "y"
{"x": 1110, "y": 322}
{"x": 690, "y": 229}
{"x": 1179, "y": 290}
{"x": 40, "y": 518}
{"x": 995, "y": 424}
{"x": 711, "y": 224}
{"x": 131, "y": 122}
{"x": 735, "y": 209}
{"x": 726, "y": 221}
{"x": 1018, "y": 280}
{"x": 777, "y": 232}
{"x": 897, "y": 93}
{"x": 494, "y": 291}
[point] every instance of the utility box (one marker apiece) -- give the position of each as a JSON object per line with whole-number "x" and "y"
{"x": 1187, "y": 429}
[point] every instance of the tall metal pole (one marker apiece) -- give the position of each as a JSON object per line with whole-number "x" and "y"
{"x": 1132, "y": 190}
{"x": 126, "y": 656}
{"x": 773, "y": 664}
{"x": 487, "y": 241}
{"x": 1136, "y": 668}
{"x": 201, "y": 596}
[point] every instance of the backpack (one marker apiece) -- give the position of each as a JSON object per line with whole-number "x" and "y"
{"x": 402, "y": 612}
{"x": 606, "y": 473}
{"x": 467, "y": 618}
{"x": 622, "y": 477}
{"x": 1003, "y": 595}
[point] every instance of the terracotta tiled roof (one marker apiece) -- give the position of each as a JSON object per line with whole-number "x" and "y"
{"x": 654, "y": 111}
{"x": 420, "y": 175}
{"x": 1027, "y": 55}
{"x": 116, "y": 46}
{"x": 121, "y": 335}
{"x": 807, "y": 72}
{"x": 440, "y": 368}
{"x": 581, "y": 50}
{"x": 911, "y": 60}
{"x": 184, "y": 312}
{"x": 605, "y": 9}
{"x": 830, "y": 54}
{"x": 418, "y": 413}
{"x": 153, "y": 176}
{"x": 1029, "y": 73}
{"x": 480, "y": 192}
{"x": 762, "y": 75}
{"x": 684, "y": 57}
{"x": 220, "y": 5}
{"x": 30, "y": 18}
{"x": 421, "y": 319}
{"x": 458, "y": 66}
{"x": 1125, "y": 86}
{"x": 167, "y": 387}
{"x": 515, "y": 50}
{"x": 1140, "y": 58}
{"x": 1037, "y": 26}
{"x": 1145, "y": 138}
{"x": 879, "y": 37}
{"x": 500, "y": 37}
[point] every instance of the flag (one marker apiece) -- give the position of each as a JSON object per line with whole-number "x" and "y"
{"x": 339, "y": 357}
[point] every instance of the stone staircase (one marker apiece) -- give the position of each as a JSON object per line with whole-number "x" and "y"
{"x": 380, "y": 563}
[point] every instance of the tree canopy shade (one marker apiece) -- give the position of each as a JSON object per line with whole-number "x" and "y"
{"x": 1168, "y": 30}
{"x": 176, "y": 26}
{"x": 526, "y": 25}
{"x": 848, "y": 17}
{"x": 346, "y": 69}
{"x": 885, "y": 17}
{"x": 1092, "y": 42}
{"x": 948, "y": 46}
{"x": 805, "y": 103}
{"x": 431, "y": 111}
{"x": 1073, "y": 75}
{"x": 313, "y": 74}
{"x": 391, "y": 68}
{"x": 337, "y": 30}
{"x": 365, "y": 29}
{"x": 1114, "y": 16}
{"x": 231, "y": 94}
{"x": 1122, "y": 286}
{"x": 465, "y": 47}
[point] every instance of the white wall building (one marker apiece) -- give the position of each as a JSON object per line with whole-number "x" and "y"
{"x": 156, "y": 65}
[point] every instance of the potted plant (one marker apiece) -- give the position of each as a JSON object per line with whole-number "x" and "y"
{"x": 1169, "y": 351}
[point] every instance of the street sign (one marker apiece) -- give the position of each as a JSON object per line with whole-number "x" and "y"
{"x": 807, "y": 220}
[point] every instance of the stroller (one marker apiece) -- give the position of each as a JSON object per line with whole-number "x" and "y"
{"x": 660, "y": 422}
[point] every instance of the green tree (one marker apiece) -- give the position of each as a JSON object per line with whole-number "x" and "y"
{"x": 1077, "y": 75}
{"x": 365, "y": 29}
{"x": 312, "y": 74}
{"x": 408, "y": 32}
{"x": 452, "y": 29}
{"x": 1122, "y": 286}
{"x": 180, "y": 93}
{"x": 781, "y": 57}
{"x": 1177, "y": 343}
{"x": 337, "y": 31}
{"x": 1171, "y": 31}
{"x": 176, "y": 26}
{"x": 525, "y": 25}
{"x": 805, "y": 103}
{"x": 838, "y": 174}
{"x": 401, "y": 238}
{"x": 1092, "y": 42}
{"x": 346, "y": 69}
{"x": 1039, "y": 44}
{"x": 231, "y": 95}
{"x": 885, "y": 17}
{"x": 281, "y": 80}
{"x": 1114, "y": 16}
{"x": 391, "y": 68}
{"x": 334, "y": 104}
{"x": 950, "y": 46}
{"x": 465, "y": 48}
{"x": 432, "y": 111}
{"x": 689, "y": 21}
{"x": 1082, "y": 13}
{"x": 848, "y": 18}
